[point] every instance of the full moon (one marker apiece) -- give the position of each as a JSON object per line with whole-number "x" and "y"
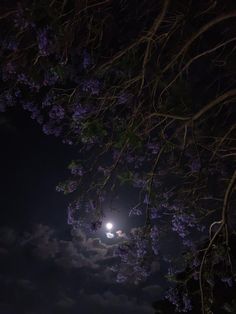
{"x": 109, "y": 226}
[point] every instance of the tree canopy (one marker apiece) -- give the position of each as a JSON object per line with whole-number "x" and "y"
{"x": 146, "y": 90}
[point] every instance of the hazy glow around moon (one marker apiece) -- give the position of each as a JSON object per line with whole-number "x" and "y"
{"x": 109, "y": 226}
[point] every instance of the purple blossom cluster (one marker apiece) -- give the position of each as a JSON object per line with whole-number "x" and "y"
{"x": 78, "y": 112}
{"x": 123, "y": 98}
{"x": 45, "y": 42}
{"x": 195, "y": 165}
{"x": 136, "y": 253}
{"x": 57, "y": 113}
{"x": 139, "y": 182}
{"x": 141, "y": 247}
{"x": 8, "y": 71}
{"x": 228, "y": 280}
{"x": 95, "y": 225}
{"x": 154, "y": 148}
{"x": 67, "y": 187}
{"x": 20, "y": 20}
{"x": 51, "y": 128}
{"x": 34, "y": 110}
{"x": 154, "y": 234}
{"x": 154, "y": 213}
{"x": 76, "y": 169}
{"x": 87, "y": 62}
{"x": 136, "y": 211}
{"x": 181, "y": 302}
{"x": 121, "y": 278}
{"x": 91, "y": 86}
{"x": 24, "y": 79}
{"x": 182, "y": 222}
{"x": 50, "y": 77}
{"x": 73, "y": 212}
{"x": 122, "y": 251}
{"x": 7, "y": 99}
{"x": 10, "y": 44}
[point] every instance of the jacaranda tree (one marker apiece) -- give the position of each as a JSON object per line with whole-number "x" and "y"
{"x": 146, "y": 90}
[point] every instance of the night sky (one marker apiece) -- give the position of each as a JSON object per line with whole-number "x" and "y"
{"x": 46, "y": 268}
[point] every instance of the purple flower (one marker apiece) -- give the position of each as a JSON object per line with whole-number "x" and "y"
{"x": 154, "y": 234}
{"x": 10, "y": 44}
{"x": 172, "y": 296}
{"x": 181, "y": 223}
{"x": 142, "y": 272}
{"x": 195, "y": 165}
{"x": 154, "y": 213}
{"x": 135, "y": 212}
{"x": 120, "y": 278}
{"x": 76, "y": 169}
{"x": 50, "y": 128}
{"x": 20, "y": 20}
{"x": 71, "y": 186}
{"x": 8, "y": 70}
{"x": 79, "y": 112}
{"x": 182, "y": 303}
{"x": 141, "y": 247}
{"x": 45, "y": 43}
{"x": 7, "y": 99}
{"x": 86, "y": 60}
{"x": 95, "y": 225}
{"x": 189, "y": 243}
{"x": 187, "y": 306}
{"x": 146, "y": 199}
{"x": 50, "y": 78}
{"x": 67, "y": 141}
{"x": 122, "y": 98}
{"x": 49, "y": 99}
{"x": 24, "y": 79}
{"x": 139, "y": 182}
{"x": 154, "y": 148}
{"x": 72, "y": 213}
{"x": 122, "y": 251}
{"x": 57, "y": 112}
{"x": 67, "y": 187}
{"x": 228, "y": 281}
{"x": 91, "y": 86}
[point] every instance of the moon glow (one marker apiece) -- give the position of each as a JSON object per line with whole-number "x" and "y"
{"x": 109, "y": 226}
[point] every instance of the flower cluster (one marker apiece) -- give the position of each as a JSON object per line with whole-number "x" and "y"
{"x": 182, "y": 222}
{"x": 181, "y": 302}
{"x": 45, "y": 42}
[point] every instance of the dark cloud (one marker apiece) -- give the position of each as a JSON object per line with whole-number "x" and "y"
{"x": 109, "y": 302}
{"x": 152, "y": 292}
{"x": 78, "y": 252}
{"x": 7, "y": 236}
{"x": 42, "y": 273}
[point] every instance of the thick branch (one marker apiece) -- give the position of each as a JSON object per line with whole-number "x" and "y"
{"x": 222, "y": 224}
{"x": 202, "y": 30}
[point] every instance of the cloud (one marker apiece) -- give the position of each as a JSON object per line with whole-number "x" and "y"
{"x": 110, "y": 235}
{"x": 109, "y": 302}
{"x": 152, "y": 292}
{"x": 7, "y": 236}
{"x": 66, "y": 302}
{"x": 64, "y": 276}
{"x": 79, "y": 252}
{"x": 70, "y": 257}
